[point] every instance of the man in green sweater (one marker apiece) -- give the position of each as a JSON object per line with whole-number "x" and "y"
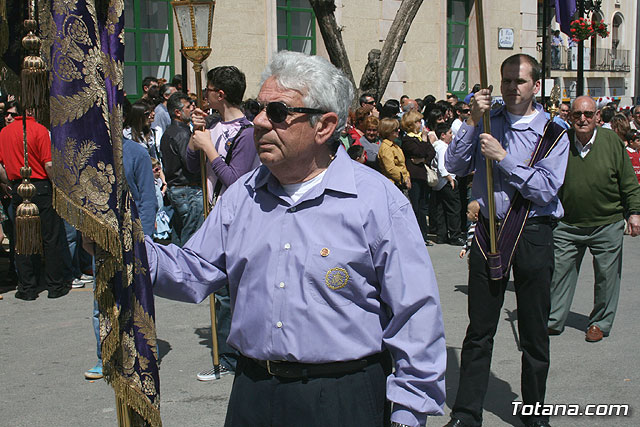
{"x": 599, "y": 191}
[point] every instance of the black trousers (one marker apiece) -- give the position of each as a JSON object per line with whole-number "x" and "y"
{"x": 261, "y": 400}
{"x": 48, "y": 270}
{"x": 532, "y": 271}
{"x": 419, "y": 198}
{"x": 445, "y": 213}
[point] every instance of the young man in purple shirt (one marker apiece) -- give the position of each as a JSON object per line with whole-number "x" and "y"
{"x": 516, "y": 130}
{"x": 230, "y": 153}
{"x": 326, "y": 267}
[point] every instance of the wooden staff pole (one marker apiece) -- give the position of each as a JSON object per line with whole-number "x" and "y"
{"x": 197, "y": 68}
{"x": 486, "y": 120}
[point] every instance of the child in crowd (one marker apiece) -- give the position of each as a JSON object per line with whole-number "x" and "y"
{"x": 356, "y": 152}
{"x": 473, "y": 210}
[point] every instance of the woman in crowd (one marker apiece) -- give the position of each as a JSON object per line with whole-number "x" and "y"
{"x": 137, "y": 127}
{"x": 418, "y": 152}
{"x": 390, "y": 156}
{"x": 434, "y": 117}
{"x": 357, "y": 131}
{"x": 620, "y": 125}
{"x": 371, "y": 141}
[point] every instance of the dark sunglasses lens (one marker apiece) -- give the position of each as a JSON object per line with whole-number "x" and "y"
{"x": 587, "y": 114}
{"x": 11, "y": 114}
{"x": 277, "y": 112}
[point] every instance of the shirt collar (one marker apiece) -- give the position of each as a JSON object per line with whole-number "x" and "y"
{"x": 537, "y": 124}
{"x": 589, "y": 143}
{"x": 339, "y": 177}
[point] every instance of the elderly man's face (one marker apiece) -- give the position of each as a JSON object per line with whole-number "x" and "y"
{"x": 583, "y": 117}
{"x": 287, "y": 144}
{"x": 564, "y": 112}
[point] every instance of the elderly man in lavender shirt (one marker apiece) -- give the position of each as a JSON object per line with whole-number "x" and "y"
{"x": 516, "y": 130}
{"x": 329, "y": 277}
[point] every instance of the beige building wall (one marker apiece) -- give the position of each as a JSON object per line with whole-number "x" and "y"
{"x": 245, "y": 34}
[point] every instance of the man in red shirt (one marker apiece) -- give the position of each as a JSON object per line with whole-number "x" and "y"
{"x": 46, "y": 270}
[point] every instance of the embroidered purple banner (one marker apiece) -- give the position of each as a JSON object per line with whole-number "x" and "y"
{"x": 91, "y": 192}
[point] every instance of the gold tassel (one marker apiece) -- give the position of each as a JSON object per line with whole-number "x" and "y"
{"x": 34, "y": 74}
{"x": 28, "y": 228}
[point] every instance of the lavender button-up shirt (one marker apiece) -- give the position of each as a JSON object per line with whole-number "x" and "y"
{"x": 539, "y": 184}
{"x": 341, "y": 274}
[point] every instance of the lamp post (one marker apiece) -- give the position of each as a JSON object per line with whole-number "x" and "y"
{"x": 588, "y": 6}
{"x": 195, "y": 20}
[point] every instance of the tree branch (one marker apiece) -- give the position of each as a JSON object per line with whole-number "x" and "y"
{"x": 393, "y": 43}
{"x": 332, "y": 35}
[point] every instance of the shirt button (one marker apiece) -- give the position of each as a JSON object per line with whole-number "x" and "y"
{"x": 279, "y": 324}
{"x": 281, "y": 284}
{"x": 287, "y": 246}
{"x": 293, "y": 209}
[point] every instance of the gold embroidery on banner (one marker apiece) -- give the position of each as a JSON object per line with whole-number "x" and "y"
{"x": 144, "y": 322}
{"x": 148, "y": 384}
{"x": 138, "y": 232}
{"x": 115, "y": 11}
{"x": 336, "y": 278}
{"x": 139, "y": 269}
{"x": 62, "y": 7}
{"x": 127, "y": 238}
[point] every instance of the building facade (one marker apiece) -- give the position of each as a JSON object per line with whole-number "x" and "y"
{"x": 439, "y": 54}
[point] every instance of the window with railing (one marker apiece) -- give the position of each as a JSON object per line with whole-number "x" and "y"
{"x": 148, "y": 35}
{"x": 296, "y": 26}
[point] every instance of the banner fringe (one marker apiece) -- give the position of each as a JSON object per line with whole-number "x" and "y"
{"x": 87, "y": 223}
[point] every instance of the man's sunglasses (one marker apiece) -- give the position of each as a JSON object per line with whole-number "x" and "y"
{"x": 370, "y": 103}
{"x": 10, "y": 113}
{"x": 278, "y": 111}
{"x": 467, "y": 111}
{"x": 588, "y": 114}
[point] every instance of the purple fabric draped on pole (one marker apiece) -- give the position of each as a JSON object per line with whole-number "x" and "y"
{"x": 91, "y": 193}
{"x": 565, "y": 9}
{"x": 511, "y": 229}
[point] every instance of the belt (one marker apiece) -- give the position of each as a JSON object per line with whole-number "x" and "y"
{"x": 530, "y": 221}
{"x": 16, "y": 182}
{"x": 306, "y": 370}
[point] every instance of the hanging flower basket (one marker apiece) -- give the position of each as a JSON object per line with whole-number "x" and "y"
{"x": 583, "y": 29}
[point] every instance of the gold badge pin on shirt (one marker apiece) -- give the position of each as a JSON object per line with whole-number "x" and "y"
{"x": 325, "y": 252}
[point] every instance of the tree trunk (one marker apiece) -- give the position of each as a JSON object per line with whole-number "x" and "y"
{"x": 380, "y": 63}
{"x": 332, "y": 35}
{"x": 394, "y": 41}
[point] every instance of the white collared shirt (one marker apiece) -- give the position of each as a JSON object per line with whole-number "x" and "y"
{"x": 584, "y": 150}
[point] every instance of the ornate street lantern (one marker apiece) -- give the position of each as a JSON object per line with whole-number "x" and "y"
{"x": 195, "y": 20}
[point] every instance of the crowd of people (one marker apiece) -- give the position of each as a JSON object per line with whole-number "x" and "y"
{"x": 422, "y": 181}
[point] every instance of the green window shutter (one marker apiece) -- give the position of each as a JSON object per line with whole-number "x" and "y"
{"x": 296, "y": 26}
{"x": 148, "y": 43}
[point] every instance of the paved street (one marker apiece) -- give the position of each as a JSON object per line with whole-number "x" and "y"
{"x": 46, "y": 345}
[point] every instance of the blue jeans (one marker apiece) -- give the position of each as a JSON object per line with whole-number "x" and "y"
{"x": 228, "y": 355}
{"x": 188, "y": 206}
{"x": 96, "y": 317}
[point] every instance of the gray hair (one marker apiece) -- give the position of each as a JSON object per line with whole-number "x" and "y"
{"x": 175, "y": 103}
{"x": 323, "y": 86}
